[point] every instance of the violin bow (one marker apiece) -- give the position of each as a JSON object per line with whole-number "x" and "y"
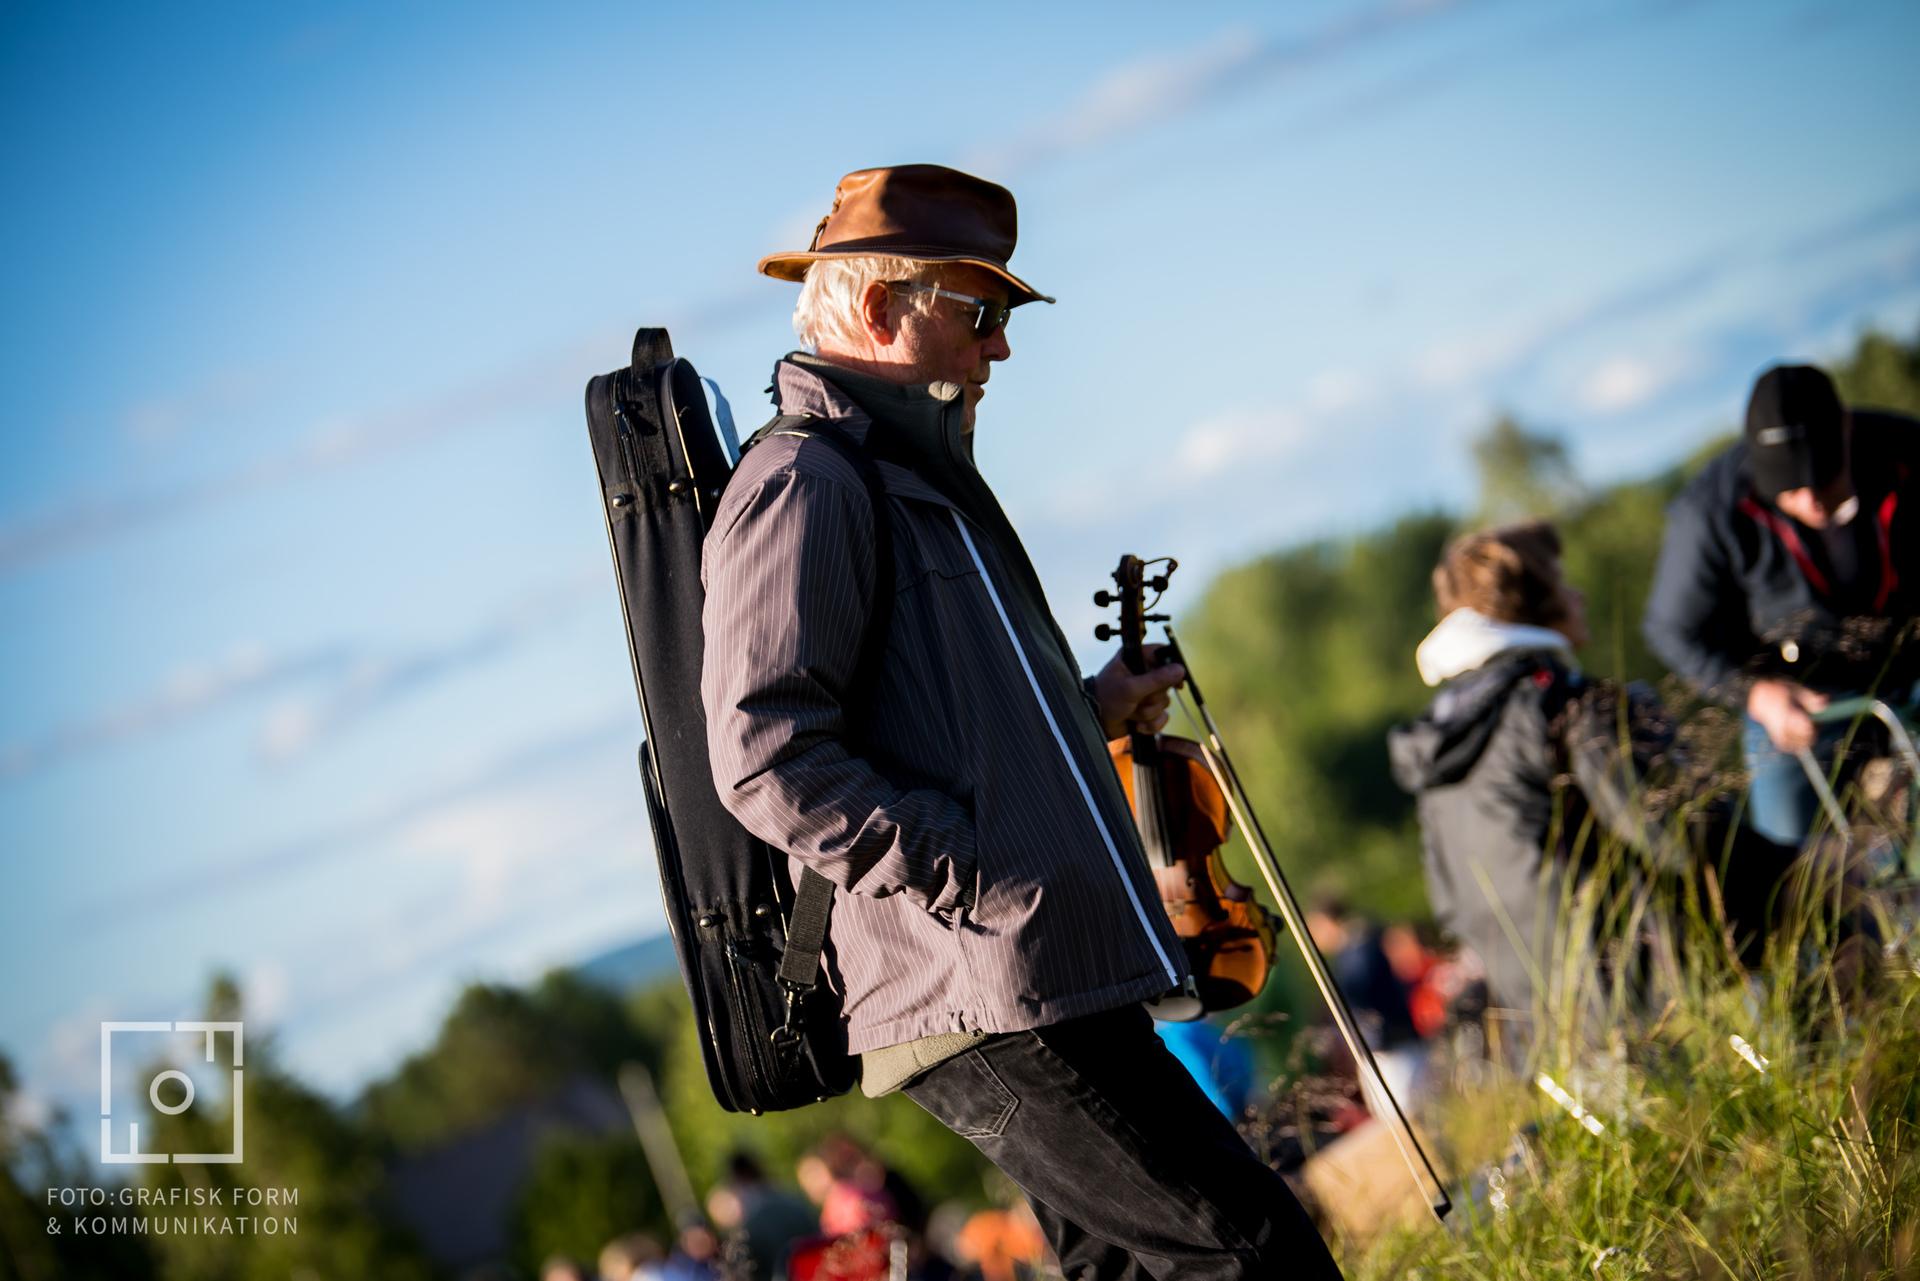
{"x": 1221, "y": 766}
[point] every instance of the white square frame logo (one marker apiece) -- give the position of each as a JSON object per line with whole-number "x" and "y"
{"x": 133, "y": 1155}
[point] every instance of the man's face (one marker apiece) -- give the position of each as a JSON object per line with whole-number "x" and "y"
{"x": 940, "y": 345}
{"x": 1816, "y": 508}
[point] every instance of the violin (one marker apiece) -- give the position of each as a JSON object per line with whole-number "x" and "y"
{"x": 1184, "y": 820}
{"x": 1232, "y": 937}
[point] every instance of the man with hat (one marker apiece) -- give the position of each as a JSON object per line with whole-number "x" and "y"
{"x": 1790, "y": 568}
{"x": 995, "y": 928}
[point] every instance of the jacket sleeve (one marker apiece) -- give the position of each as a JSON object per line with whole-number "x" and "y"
{"x": 789, "y": 566}
{"x": 1694, "y": 621}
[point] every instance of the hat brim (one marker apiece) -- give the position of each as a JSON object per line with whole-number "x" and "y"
{"x": 794, "y": 266}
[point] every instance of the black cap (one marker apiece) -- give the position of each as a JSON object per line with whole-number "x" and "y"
{"x": 1796, "y": 430}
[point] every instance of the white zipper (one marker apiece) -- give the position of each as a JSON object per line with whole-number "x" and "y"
{"x": 1086, "y": 793}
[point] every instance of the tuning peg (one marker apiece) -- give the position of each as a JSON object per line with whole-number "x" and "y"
{"x": 1158, "y": 583}
{"x": 1103, "y": 632}
{"x": 1103, "y": 599}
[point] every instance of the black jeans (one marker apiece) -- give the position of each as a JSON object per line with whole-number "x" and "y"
{"x": 1132, "y": 1172}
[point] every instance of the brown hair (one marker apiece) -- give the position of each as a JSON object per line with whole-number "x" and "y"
{"x": 1510, "y": 573}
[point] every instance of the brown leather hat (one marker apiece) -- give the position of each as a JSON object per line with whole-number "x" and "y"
{"x": 925, "y": 212}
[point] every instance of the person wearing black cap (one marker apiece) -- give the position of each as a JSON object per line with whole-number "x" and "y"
{"x": 1790, "y": 567}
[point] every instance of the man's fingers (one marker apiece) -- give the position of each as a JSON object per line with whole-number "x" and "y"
{"x": 1811, "y": 701}
{"x": 1795, "y": 733}
{"x": 1155, "y": 679}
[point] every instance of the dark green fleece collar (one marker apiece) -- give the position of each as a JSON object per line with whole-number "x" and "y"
{"x": 923, "y": 423}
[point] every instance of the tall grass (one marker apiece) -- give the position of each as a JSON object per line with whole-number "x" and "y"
{"x": 1756, "y": 1121}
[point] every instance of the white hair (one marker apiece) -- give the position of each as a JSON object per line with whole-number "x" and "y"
{"x": 828, "y": 309}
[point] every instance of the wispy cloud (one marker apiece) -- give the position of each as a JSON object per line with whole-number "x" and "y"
{"x": 190, "y": 692}
{"x": 245, "y": 869}
{"x": 1900, "y": 212}
{"x": 1510, "y": 346}
{"x": 82, "y": 520}
{"x": 343, "y": 684}
{"x": 1260, "y": 452}
{"x": 1460, "y": 65}
{"x": 375, "y": 682}
{"x": 1238, "y": 438}
{"x": 1620, "y": 383}
{"x": 1149, "y": 92}
{"x": 163, "y": 420}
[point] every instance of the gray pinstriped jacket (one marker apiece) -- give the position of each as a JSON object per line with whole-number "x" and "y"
{"x": 991, "y": 877}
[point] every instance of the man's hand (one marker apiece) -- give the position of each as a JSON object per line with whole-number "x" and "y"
{"x": 1127, "y": 700}
{"x": 1784, "y": 711}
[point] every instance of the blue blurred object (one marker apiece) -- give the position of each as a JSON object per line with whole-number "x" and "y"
{"x": 1223, "y": 1065}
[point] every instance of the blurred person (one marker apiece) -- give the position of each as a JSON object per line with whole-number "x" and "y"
{"x": 1789, "y": 569}
{"x": 1001, "y": 1244}
{"x": 908, "y": 1208}
{"x": 1519, "y": 748}
{"x": 560, "y": 1267}
{"x": 1422, "y": 972}
{"x": 767, "y": 1219}
{"x": 848, "y": 1185}
{"x": 636, "y": 1256}
{"x": 944, "y": 1222}
{"x": 696, "y": 1253}
{"x": 1354, "y": 951}
{"x": 995, "y": 926}
{"x": 1351, "y": 944}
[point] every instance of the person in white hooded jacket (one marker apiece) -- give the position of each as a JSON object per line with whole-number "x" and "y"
{"x": 1519, "y": 749}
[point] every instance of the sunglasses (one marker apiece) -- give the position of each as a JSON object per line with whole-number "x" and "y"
{"x": 989, "y": 317}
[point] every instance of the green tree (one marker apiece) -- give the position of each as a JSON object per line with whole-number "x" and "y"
{"x": 32, "y": 1160}
{"x": 500, "y": 1047}
{"x": 1882, "y": 372}
{"x": 1522, "y": 473}
{"x": 581, "y": 1193}
{"x": 297, "y": 1140}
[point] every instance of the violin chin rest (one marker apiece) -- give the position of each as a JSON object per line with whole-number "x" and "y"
{"x": 1176, "y": 1007}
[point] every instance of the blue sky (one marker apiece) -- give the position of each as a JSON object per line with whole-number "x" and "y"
{"x": 312, "y": 661}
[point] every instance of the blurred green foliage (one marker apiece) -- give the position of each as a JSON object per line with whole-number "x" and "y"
{"x": 500, "y": 1046}
{"x": 582, "y": 1193}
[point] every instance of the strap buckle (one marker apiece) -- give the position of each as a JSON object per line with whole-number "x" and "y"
{"x": 787, "y": 1035}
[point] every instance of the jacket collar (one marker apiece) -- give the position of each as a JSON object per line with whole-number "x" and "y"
{"x": 1466, "y": 639}
{"x": 915, "y": 419}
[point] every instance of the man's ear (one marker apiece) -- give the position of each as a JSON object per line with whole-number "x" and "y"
{"x": 876, "y": 318}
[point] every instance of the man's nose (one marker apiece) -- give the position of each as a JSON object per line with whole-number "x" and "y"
{"x": 996, "y": 346}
